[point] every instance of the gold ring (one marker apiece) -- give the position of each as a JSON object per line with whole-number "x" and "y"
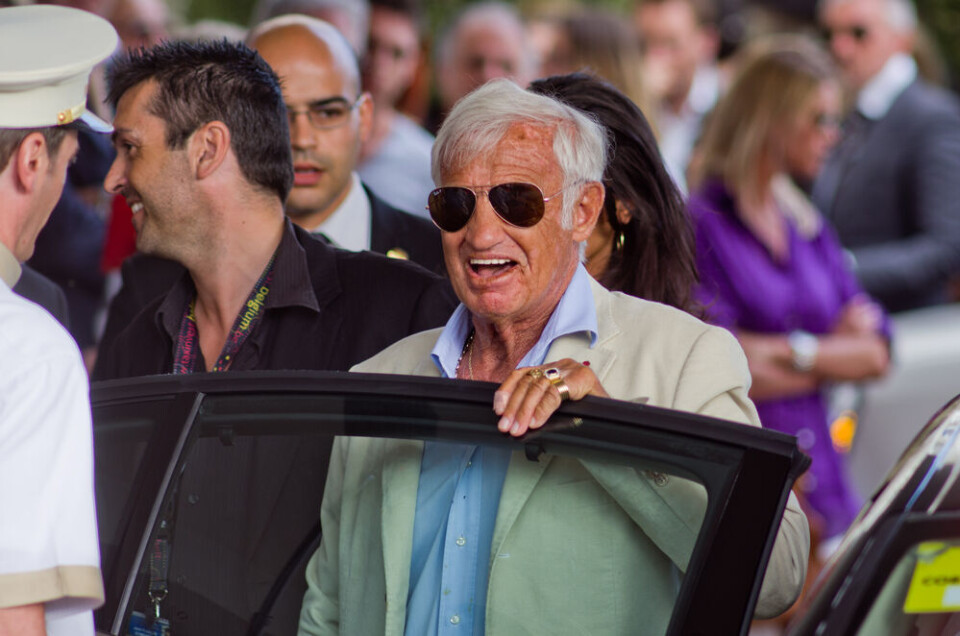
{"x": 535, "y": 373}
{"x": 553, "y": 374}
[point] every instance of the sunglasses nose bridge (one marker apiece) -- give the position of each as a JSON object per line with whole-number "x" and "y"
{"x": 484, "y": 214}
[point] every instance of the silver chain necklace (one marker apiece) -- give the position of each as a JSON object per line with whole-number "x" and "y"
{"x": 467, "y": 346}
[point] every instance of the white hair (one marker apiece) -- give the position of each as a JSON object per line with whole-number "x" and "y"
{"x": 901, "y": 15}
{"x": 481, "y": 119}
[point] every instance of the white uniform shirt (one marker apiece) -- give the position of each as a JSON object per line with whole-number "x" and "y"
{"x": 48, "y": 532}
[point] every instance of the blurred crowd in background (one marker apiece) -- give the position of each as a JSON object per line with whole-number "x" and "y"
{"x": 816, "y": 149}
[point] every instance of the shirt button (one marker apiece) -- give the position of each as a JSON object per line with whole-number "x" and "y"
{"x": 461, "y": 541}
{"x": 658, "y": 478}
{"x": 455, "y": 619}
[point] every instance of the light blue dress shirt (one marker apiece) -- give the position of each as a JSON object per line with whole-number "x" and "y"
{"x": 460, "y": 486}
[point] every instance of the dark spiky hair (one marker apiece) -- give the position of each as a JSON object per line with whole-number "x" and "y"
{"x": 200, "y": 82}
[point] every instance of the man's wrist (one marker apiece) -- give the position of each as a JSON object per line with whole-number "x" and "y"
{"x": 803, "y": 350}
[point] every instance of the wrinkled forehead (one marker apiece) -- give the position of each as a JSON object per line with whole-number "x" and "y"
{"x": 528, "y": 137}
{"x": 526, "y": 146}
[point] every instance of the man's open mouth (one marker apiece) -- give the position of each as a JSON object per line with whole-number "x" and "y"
{"x": 491, "y": 266}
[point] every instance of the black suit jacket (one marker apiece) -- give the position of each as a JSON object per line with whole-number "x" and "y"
{"x": 46, "y": 293}
{"x": 332, "y": 309}
{"x": 892, "y": 190}
{"x": 394, "y": 232}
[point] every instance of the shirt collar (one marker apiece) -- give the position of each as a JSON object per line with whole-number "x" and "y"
{"x": 9, "y": 267}
{"x": 575, "y": 313}
{"x": 878, "y": 95}
{"x": 704, "y": 89}
{"x": 349, "y": 225}
{"x": 290, "y": 285}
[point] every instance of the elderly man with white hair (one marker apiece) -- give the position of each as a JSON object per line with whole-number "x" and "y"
{"x": 520, "y": 188}
{"x": 890, "y": 186}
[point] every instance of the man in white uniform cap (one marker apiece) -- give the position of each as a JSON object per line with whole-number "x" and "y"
{"x": 49, "y": 555}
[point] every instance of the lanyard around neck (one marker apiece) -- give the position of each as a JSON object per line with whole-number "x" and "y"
{"x": 188, "y": 338}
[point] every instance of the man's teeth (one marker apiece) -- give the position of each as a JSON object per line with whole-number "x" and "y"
{"x": 136, "y": 207}
{"x": 490, "y": 261}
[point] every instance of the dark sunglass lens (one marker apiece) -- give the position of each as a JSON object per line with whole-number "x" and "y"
{"x": 519, "y": 204}
{"x": 451, "y": 207}
{"x": 859, "y": 33}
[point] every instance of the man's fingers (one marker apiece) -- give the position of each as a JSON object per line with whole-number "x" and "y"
{"x": 522, "y": 406}
{"x": 528, "y": 397}
{"x": 502, "y": 395}
{"x": 536, "y": 407}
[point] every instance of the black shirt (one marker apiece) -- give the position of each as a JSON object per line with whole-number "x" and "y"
{"x": 327, "y": 309}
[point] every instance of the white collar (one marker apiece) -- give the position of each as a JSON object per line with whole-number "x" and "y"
{"x": 9, "y": 267}
{"x": 878, "y": 94}
{"x": 704, "y": 89}
{"x": 349, "y": 225}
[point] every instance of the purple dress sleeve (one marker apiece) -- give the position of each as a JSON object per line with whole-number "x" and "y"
{"x": 744, "y": 287}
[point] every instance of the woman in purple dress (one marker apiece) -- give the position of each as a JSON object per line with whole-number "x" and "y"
{"x": 771, "y": 270}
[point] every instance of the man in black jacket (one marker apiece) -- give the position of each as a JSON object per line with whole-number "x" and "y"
{"x": 330, "y": 118}
{"x": 321, "y": 81}
{"x": 203, "y": 160}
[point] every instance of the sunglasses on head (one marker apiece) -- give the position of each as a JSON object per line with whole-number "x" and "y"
{"x": 519, "y": 204}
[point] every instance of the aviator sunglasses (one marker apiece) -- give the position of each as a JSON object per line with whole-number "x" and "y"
{"x": 858, "y": 32}
{"x": 519, "y": 204}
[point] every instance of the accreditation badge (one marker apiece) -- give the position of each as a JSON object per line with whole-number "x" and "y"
{"x": 140, "y": 625}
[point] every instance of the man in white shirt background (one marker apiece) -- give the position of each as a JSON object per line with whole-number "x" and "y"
{"x": 395, "y": 158}
{"x": 680, "y": 43}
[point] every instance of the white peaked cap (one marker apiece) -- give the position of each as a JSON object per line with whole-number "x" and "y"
{"x": 46, "y": 55}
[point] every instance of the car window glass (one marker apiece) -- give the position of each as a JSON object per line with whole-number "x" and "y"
{"x": 132, "y": 441}
{"x": 215, "y": 533}
{"x": 233, "y": 537}
{"x": 921, "y": 596}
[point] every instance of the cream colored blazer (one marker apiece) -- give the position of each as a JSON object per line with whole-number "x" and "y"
{"x": 578, "y": 547}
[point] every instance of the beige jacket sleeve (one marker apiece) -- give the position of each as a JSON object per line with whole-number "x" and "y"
{"x": 724, "y": 395}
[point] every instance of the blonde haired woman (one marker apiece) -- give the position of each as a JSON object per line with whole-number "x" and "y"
{"x": 771, "y": 270}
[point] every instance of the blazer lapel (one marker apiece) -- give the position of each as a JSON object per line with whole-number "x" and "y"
{"x": 601, "y": 357}
{"x": 523, "y": 474}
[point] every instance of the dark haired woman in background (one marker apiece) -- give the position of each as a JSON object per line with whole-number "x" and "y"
{"x": 643, "y": 244}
